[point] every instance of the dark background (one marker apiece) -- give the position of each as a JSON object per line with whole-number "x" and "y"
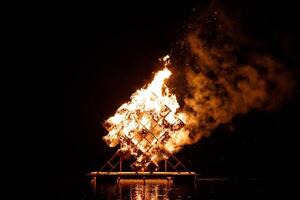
{"x": 86, "y": 60}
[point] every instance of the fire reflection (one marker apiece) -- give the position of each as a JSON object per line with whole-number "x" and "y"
{"x": 145, "y": 189}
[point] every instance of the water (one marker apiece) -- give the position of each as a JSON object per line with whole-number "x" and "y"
{"x": 201, "y": 189}
{"x": 148, "y": 189}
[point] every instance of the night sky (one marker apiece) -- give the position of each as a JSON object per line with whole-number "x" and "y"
{"x": 86, "y": 60}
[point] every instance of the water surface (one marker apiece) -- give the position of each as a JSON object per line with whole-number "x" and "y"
{"x": 212, "y": 188}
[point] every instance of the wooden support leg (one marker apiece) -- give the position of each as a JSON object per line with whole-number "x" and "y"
{"x": 94, "y": 184}
{"x": 166, "y": 165}
{"x": 120, "y": 164}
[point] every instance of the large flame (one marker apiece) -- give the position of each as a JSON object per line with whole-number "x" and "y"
{"x": 149, "y": 127}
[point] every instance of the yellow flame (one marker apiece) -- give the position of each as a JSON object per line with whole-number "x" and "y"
{"x": 140, "y": 124}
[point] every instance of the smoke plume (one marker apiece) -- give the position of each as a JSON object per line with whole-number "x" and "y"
{"x": 225, "y": 76}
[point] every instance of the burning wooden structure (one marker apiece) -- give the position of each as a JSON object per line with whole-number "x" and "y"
{"x": 155, "y": 139}
{"x": 150, "y": 129}
{"x": 148, "y": 143}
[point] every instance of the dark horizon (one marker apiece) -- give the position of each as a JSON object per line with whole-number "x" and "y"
{"x": 87, "y": 60}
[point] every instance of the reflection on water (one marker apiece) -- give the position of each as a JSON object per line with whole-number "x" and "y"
{"x": 148, "y": 189}
{"x": 203, "y": 188}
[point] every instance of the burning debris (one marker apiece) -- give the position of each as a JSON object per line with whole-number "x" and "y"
{"x": 149, "y": 126}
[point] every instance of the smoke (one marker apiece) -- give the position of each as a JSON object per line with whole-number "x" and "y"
{"x": 224, "y": 75}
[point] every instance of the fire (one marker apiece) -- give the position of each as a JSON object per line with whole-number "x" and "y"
{"x": 149, "y": 127}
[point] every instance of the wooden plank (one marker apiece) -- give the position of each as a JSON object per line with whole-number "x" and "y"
{"x": 146, "y": 174}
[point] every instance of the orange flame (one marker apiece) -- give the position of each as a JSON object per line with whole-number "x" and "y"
{"x": 148, "y": 127}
